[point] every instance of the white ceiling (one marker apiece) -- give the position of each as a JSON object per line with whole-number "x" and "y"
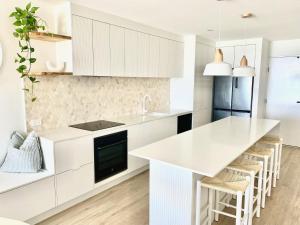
{"x": 274, "y": 19}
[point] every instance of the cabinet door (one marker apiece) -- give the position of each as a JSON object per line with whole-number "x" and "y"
{"x": 248, "y": 51}
{"x": 153, "y": 69}
{"x": 228, "y": 55}
{"x": 28, "y": 201}
{"x": 73, "y": 183}
{"x": 82, "y": 40}
{"x": 143, "y": 54}
{"x": 117, "y": 51}
{"x": 147, "y": 133}
{"x": 72, "y": 154}
{"x": 164, "y": 57}
{"x": 131, "y": 53}
{"x": 101, "y": 49}
{"x": 178, "y": 59}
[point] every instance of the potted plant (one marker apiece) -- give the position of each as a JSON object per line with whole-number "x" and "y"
{"x": 26, "y": 21}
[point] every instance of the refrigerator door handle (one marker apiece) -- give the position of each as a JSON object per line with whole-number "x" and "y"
{"x": 236, "y": 83}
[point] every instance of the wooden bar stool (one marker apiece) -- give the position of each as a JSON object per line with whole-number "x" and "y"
{"x": 253, "y": 169}
{"x": 276, "y": 143}
{"x": 228, "y": 183}
{"x": 266, "y": 155}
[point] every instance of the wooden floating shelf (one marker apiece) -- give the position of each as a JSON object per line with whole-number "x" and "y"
{"x": 51, "y": 74}
{"x": 50, "y": 37}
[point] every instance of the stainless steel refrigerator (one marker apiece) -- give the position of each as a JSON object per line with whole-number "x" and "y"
{"x": 232, "y": 96}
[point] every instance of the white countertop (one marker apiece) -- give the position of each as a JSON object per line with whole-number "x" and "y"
{"x": 67, "y": 133}
{"x": 208, "y": 149}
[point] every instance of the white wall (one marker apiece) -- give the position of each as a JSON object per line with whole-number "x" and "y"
{"x": 203, "y": 87}
{"x": 181, "y": 89}
{"x": 12, "y": 106}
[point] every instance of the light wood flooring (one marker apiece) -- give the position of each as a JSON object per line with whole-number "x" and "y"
{"x": 127, "y": 203}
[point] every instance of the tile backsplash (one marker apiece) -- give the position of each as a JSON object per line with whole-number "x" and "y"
{"x": 65, "y": 100}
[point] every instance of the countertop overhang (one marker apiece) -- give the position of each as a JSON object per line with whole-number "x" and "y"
{"x": 208, "y": 149}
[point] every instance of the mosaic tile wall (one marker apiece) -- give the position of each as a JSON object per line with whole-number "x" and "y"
{"x": 64, "y": 100}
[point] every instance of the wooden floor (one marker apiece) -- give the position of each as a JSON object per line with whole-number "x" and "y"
{"x": 127, "y": 203}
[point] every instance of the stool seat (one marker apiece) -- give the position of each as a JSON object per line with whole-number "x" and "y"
{"x": 260, "y": 151}
{"x": 245, "y": 165}
{"x": 271, "y": 139}
{"x": 226, "y": 182}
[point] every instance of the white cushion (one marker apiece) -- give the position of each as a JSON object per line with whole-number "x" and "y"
{"x": 27, "y": 159}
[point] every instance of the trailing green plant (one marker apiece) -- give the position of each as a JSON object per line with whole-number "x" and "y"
{"x": 26, "y": 21}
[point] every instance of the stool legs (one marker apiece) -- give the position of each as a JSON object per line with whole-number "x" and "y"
{"x": 259, "y": 192}
{"x": 217, "y": 205}
{"x": 238, "y": 214}
{"x": 210, "y": 205}
{"x": 264, "y": 189}
{"x": 276, "y": 157}
{"x": 271, "y": 174}
{"x": 251, "y": 193}
{"x": 279, "y": 160}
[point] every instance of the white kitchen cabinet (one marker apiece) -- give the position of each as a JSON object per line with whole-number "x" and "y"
{"x": 28, "y": 201}
{"x": 82, "y": 41}
{"x": 72, "y": 154}
{"x": 164, "y": 57}
{"x": 153, "y": 64}
{"x": 101, "y": 45}
{"x": 176, "y": 59}
{"x": 146, "y": 133}
{"x": 228, "y": 55}
{"x": 117, "y": 51}
{"x": 143, "y": 54}
{"x": 73, "y": 183}
{"x": 248, "y": 51}
{"x": 131, "y": 53}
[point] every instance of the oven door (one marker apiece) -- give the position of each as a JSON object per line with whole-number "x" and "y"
{"x": 110, "y": 155}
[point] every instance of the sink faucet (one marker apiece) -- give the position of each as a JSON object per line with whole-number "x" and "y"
{"x": 144, "y": 108}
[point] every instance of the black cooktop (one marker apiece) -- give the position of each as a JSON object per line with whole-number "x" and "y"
{"x": 96, "y": 125}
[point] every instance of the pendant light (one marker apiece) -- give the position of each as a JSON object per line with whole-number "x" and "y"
{"x": 244, "y": 70}
{"x": 218, "y": 67}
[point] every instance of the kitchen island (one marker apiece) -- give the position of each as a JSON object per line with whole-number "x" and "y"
{"x": 178, "y": 162}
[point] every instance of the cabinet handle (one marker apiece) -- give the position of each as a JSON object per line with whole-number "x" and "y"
{"x": 298, "y": 102}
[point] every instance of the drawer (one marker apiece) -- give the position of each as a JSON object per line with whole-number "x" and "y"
{"x": 28, "y": 201}
{"x": 147, "y": 133}
{"x": 72, "y": 154}
{"x": 73, "y": 183}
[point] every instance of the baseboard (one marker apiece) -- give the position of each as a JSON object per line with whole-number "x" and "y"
{"x": 86, "y": 196}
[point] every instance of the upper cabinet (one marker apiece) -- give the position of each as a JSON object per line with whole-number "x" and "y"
{"x": 244, "y": 50}
{"x": 143, "y": 54}
{"x": 131, "y": 53}
{"x": 82, "y": 29}
{"x": 153, "y": 63}
{"x": 101, "y": 48}
{"x": 117, "y": 51}
{"x": 164, "y": 57}
{"x": 114, "y": 47}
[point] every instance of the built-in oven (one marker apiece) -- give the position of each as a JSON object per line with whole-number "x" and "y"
{"x": 110, "y": 154}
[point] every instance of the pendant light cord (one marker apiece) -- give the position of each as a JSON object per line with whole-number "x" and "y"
{"x": 219, "y": 20}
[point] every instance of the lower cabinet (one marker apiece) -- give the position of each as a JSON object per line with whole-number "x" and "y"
{"x": 146, "y": 133}
{"x": 73, "y": 183}
{"x": 28, "y": 201}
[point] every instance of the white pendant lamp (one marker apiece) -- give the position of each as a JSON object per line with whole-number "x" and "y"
{"x": 244, "y": 70}
{"x": 218, "y": 67}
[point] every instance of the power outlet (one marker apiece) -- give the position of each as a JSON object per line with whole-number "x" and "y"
{"x": 36, "y": 123}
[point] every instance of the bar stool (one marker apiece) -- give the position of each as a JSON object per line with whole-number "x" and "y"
{"x": 276, "y": 143}
{"x": 228, "y": 183}
{"x": 252, "y": 169}
{"x": 266, "y": 155}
